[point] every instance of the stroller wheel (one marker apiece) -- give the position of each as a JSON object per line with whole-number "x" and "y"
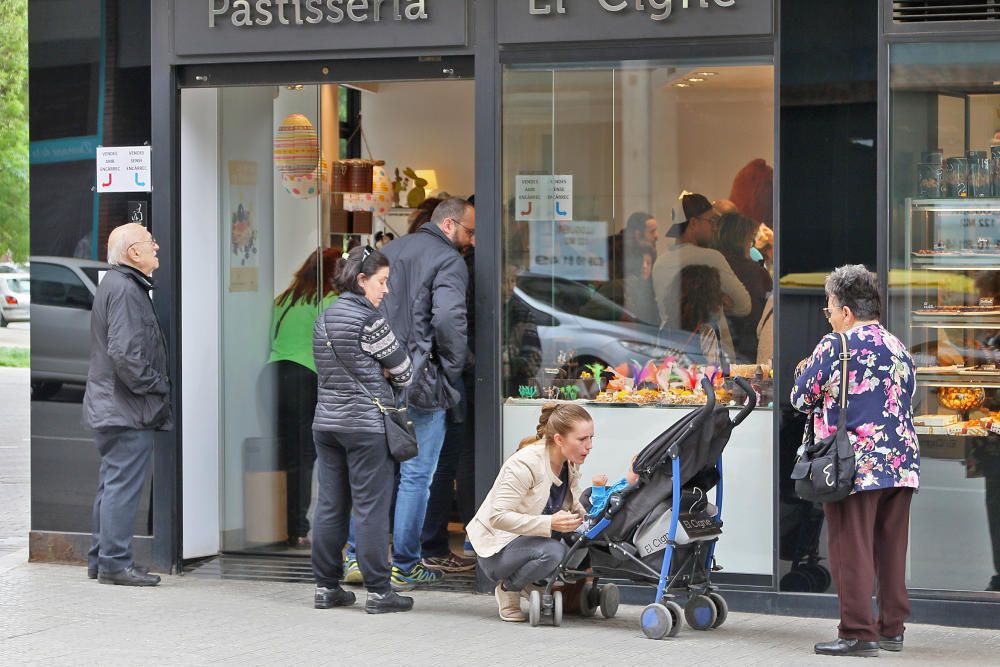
{"x": 589, "y": 600}
{"x": 656, "y": 621}
{"x": 819, "y": 575}
{"x": 677, "y": 614}
{"x": 721, "y": 609}
{"x": 700, "y": 612}
{"x": 610, "y": 599}
{"x": 534, "y": 608}
{"x": 557, "y": 608}
{"x": 798, "y": 581}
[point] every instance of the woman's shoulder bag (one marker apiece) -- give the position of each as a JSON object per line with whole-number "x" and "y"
{"x": 824, "y": 471}
{"x": 399, "y": 430}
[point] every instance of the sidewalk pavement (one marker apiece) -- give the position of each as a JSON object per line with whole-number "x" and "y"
{"x": 15, "y": 458}
{"x": 54, "y": 615}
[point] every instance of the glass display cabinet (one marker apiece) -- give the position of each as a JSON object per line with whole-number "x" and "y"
{"x": 944, "y": 298}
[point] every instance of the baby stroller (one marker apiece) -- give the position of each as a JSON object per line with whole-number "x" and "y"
{"x": 660, "y": 531}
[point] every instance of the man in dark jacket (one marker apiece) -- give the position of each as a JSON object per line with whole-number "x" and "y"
{"x": 426, "y": 310}
{"x": 127, "y": 399}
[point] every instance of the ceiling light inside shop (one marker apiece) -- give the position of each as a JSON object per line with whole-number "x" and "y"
{"x": 706, "y": 73}
{"x": 296, "y": 86}
{"x": 683, "y": 85}
{"x": 695, "y": 79}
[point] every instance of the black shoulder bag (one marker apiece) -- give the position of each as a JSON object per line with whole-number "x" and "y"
{"x": 824, "y": 472}
{"x": 399, "y": 431}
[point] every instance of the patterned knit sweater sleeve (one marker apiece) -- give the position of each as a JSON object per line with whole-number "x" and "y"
{"x": 378, "y": 341}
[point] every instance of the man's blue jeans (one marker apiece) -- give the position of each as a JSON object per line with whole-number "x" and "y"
{"x": 415, "y": 477}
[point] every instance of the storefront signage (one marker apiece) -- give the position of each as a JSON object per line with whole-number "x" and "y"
{"x": 277, "y": 28}
{"x": 548, "y": 21}
{"x": 659, "y": 10}
{"x": 247, "y": 14}
{"x": 575, "y": 250}
{"x": 124, "y": 169}
{"x": 544, "y": 197}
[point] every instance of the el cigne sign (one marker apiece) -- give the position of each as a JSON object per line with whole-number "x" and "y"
{"x": 250, "y": 13}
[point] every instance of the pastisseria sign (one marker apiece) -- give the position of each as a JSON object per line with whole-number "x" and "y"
{"x": 249, "y": 13}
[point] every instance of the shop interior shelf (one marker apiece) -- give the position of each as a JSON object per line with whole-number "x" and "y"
{"x": 957, "y": 323}
{"x": 985, "y": 380}
{"x": 986, "y": 262}
{"x": 979, "y": 203}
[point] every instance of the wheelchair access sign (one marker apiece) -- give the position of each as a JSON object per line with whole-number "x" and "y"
{"x": 124, "y": 169}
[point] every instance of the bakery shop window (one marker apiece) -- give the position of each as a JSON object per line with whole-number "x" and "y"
{"x": 637, "y": 230}
{"x": 944, "y": 299}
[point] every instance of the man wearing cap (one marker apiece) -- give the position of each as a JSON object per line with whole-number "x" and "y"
{"x": 695, "y": 237}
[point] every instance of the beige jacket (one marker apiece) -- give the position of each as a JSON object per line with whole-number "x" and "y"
{"x": 514, "y": 505}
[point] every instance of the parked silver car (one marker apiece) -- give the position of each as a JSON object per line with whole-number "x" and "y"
{"x": 577, "y": 325}
{"x": 15, "y": 298}
{"x": 62, "y": 294}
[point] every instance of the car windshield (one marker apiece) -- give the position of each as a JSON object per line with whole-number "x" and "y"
{"x": 19, "y": 285}
{"x": 573, "y": 297}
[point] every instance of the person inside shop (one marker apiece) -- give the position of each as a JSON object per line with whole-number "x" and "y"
{"x": 736, "y": 236}
{"x": 535, "y": 500}
{"x": 867, "y": 532}
{"x": 422, "y": 214}
{"x": 521, "y": 350}
{"x": 701, "y": 310}
{"x": 634, "y": 290}
{"x": 353, "y": 343}
{"x": 294, "y": 370}
{"x": 696, "y": 237}
{"x": 639, "y": 234}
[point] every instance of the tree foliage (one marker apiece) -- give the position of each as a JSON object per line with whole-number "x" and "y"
{"x": 14, "y": 199}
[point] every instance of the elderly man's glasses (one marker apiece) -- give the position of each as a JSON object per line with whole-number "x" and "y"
{"x": 151, "y": 240}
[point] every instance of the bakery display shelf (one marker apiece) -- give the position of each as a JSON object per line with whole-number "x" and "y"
{"x": 958, "y": 262}
{"x": 984, "y": 380}
{"x": 986, "y": 204}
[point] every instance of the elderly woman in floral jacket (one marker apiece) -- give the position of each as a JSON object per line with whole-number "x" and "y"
{"x": 867, "y": 532}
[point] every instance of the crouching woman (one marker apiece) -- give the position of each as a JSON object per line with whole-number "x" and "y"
{"x": 535, "y": 498}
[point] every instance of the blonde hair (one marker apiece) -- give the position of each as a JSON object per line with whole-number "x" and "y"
{"x": 556, "y": 418}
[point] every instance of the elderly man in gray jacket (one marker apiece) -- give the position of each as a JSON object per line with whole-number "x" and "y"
{"x": 426, "y": 310}
{"x": 127, "y": 399}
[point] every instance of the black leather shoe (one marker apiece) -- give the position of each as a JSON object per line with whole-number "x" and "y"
{"x": 328, "y": 598}
{"x": 130, "y": 576}
{"x": 850, "y": 647}
{"x": 388, "y": 603}
{"x": 894, "y": 644}
{"x": 92, "y": 571}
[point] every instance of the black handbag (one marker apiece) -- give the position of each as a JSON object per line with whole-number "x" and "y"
{"x": 399, "y": 431}
{"x": 824, "y": 471}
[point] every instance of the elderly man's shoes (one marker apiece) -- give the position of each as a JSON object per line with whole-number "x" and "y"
{"x": 92, "y": 571}
{"x": 848, "y": 647}
{"x": 328, "y": 598}
{"x": 130, "y": 576}
{"x": 894, "y": 644}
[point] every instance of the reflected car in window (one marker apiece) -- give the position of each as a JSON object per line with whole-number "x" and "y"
{"x": 576, "y": 326}
{"x": 15, "y": 298}
{"x": 62, "y": 295}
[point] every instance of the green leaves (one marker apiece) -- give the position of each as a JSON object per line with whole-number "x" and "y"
{"x": 14, "y": 212}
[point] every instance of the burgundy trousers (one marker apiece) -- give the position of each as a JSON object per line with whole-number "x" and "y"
{"x": 867, "y": 535}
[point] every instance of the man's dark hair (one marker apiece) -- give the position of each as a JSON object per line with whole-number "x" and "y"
{"x": 701, "y": 295}
{"x": 856, "y": 287}
{"x": 363, "y": 259}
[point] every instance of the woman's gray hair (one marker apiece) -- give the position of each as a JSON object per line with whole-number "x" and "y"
{"x": 856, "y": 287}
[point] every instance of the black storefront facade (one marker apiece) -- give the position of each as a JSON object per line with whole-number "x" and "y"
{"x": 827, "y": 129}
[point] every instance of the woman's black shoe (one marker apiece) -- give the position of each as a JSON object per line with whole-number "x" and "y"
{"x": 327, "y": 598}
{"x": 387, "y": 603}
{"x": 894, "y": 644}
{"x": 851, "y": 647}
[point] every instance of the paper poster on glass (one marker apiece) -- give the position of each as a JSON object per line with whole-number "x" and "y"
{"x": 243, "y": 266}
{"x": 575, "y": 250}
{"x": 544, "y": 197}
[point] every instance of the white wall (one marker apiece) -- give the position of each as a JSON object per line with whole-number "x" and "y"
{"x": 246, "y": 116}
{"x": 424, "y": 125}
{"x": 200, "y": 293}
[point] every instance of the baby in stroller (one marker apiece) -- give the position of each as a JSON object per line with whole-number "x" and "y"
{"x": 595, "y": 499}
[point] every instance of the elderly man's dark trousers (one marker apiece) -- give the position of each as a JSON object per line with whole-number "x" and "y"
{"x": 125, "y": 457}
{"x": 867, "y": 535}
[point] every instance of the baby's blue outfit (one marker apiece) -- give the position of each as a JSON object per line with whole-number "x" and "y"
{"x": 599, "y": 496}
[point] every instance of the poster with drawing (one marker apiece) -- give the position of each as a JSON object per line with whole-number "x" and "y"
{"x": 243, "y": 268}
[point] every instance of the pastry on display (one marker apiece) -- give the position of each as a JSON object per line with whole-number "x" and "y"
{"x": 961, "y": 398}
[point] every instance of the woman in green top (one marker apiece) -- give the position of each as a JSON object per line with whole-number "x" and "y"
{"x": 295, "y": 312}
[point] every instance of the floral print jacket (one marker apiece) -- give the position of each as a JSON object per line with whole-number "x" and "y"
{"x": 879, "y": 411}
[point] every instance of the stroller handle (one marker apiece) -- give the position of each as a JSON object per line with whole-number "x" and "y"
{"x": 706, "y": 386}
{"x": 751, "y": 400}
